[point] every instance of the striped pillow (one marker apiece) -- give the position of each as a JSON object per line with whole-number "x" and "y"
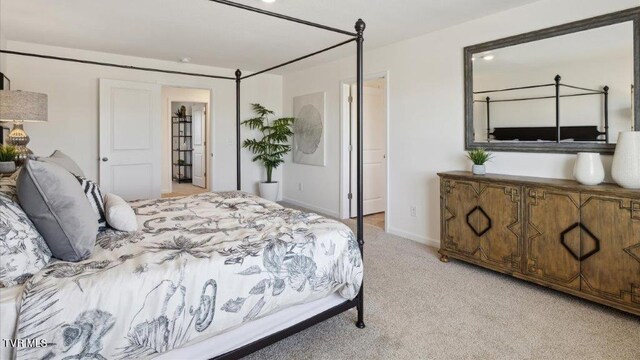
{"x": 93, "y": 193}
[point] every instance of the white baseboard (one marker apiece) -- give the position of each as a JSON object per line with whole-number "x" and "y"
{"x": 391, "y": 230}
{"x": 415, "y": 237}
{"x": 317, "y": 209}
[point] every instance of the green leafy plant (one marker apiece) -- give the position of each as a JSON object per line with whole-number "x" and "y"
{"x": 8, "y": 153}
{"x": 479, "y": 156}
{"x": 274, "y": 143}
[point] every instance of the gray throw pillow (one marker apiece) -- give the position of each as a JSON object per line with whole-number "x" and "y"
{"x": 59, "y": 209}
{"x": 61, "y": 159}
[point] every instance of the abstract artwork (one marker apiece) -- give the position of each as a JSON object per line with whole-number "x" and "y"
{"x": 308, "y": 129}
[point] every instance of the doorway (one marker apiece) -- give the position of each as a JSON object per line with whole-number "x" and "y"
{"x": 374, "y": 149}
{"x": 187, "y": 116}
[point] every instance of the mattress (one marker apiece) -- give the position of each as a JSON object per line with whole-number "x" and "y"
{"x": 203, "y": 349}
{"x": 198, "y": 267}
{"x": 252, "y": 331}
{"x": 9, "y": 303}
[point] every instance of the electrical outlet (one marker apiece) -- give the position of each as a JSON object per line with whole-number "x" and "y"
{"x": 300, "y": 188}
{"x": 412, "y": 211}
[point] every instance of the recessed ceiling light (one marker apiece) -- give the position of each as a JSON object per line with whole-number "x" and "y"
{"x": 268, "y": 1}
{"x": 488, "y": 57}
{"x": 185, "y": 59}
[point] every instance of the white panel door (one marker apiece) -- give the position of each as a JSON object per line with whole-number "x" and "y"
{"x": 198, "y": 154}
{"x": 130, "y": 139}
{"x": 374, "y": 151}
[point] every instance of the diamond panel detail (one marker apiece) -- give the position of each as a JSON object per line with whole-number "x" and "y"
{"x": 634, "y": 251}
{"x": 480, "y": 210}
{"x": 595, "y": 241}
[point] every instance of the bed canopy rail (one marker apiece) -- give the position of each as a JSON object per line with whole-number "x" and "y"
{"x": 356, "y": 37}
{"x": 121, "y": 66}
{"x": 557, "y": 133}
{"x": 284, "y": 17}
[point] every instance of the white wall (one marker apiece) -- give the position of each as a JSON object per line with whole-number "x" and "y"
{"x": 426, "y": 131}
{"x": 3, "y": 57}
{"x": 73, "y": 104}
{"x": 3, "y": 45}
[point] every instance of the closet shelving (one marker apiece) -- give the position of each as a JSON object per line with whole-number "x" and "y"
{"x": 181, "y": 148}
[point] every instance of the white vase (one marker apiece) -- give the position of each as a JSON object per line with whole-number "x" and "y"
{"x": 479, "y": 169}
{"x": 625, "y": 169}
{"x": 588, "y": 169}
{"x": 269, "y": 191}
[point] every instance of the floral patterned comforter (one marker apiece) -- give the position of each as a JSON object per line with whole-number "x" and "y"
{"x": 200, "y": 265}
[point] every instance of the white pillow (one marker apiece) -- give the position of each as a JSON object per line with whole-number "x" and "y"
{"x": 119, "y": 213}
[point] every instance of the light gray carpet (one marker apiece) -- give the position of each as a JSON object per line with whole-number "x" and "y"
{"x": 419, "y": 308}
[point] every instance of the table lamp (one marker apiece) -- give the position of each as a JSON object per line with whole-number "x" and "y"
{"x": 18, "y": 107}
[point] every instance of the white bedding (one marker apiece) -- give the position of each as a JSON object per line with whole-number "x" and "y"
{"x": 9, "y": 307}
{"x": 204, "y": 349}
{"x": 200, "y": 266}
{"x": 252, "y": 331}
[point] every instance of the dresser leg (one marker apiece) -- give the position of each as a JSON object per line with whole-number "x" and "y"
{"x": 444, "y": 258}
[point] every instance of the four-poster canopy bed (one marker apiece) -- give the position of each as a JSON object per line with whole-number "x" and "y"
{"x": 555, "y": 133}
{"x": 357, "y": 37}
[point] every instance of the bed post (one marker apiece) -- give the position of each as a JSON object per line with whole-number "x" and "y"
{"x": 360, "y": 26}
{"x": 557, "y": 85}
{"x": 238, "y": 162}
{"x": 488, "y": 100}
{"x": 605, "y": 91}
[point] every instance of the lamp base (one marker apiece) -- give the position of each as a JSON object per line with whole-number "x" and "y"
{"x": 19, "y": 138}
{"x": 23, "y": 154}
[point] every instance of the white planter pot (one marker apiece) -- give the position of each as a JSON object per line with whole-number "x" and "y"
{"x": 269, "y": 191}
{"x": 625, "y": 169}
{"x": 588, "y": 169}
{"x": 479, "y": 169}
{"x": 7, "y": 167}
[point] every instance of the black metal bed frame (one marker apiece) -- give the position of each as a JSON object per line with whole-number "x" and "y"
{"x": 356, "y": 37}
{"x": 557, "y": 133}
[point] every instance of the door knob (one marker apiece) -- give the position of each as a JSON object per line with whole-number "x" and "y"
{"x": 105, "y": 159}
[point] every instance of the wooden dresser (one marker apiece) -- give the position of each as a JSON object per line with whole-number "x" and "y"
{"x": 583, "y": 240}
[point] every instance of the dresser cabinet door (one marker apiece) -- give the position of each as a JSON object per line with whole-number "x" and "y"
{"x": 458, "y": 199}
{"x": 483, "y": 221}
{"x": 500, "y": 222}
{"x": 611, "y": 248}
{"x": 552, "y": 236}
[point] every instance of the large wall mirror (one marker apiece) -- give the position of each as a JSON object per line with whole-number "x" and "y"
{"x": 568, "y": 88}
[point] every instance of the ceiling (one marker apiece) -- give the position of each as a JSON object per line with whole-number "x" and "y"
{"x": 219, "y": 35}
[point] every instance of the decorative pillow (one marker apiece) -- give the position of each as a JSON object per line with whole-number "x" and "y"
{"x": 23, "y": 252}
{"x": 61, "y": 159}
{"x": 94, "y": 195}
{"x": 120, "y": 215}
{"x": 57, "y": 206}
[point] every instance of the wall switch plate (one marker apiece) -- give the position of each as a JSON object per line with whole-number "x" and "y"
{"x": 412, "y": 211}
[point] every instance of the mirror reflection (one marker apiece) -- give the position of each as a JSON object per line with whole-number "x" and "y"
{"x": 570, "y": 88}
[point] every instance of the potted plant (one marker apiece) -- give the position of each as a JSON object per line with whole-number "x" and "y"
{"x": 479, "y": 157}
{"x": 8, "y": 154}
{"x": 271, "y": 147}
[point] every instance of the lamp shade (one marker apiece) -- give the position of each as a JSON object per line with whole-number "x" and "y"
{"x": 22, "y": 106}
